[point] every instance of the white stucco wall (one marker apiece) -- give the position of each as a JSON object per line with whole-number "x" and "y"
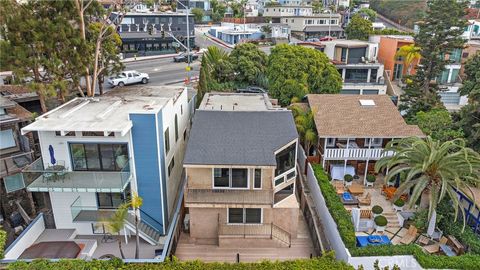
{"x": 61, "y": 202}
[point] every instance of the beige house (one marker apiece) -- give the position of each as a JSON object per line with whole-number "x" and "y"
{"x": 240, "y": 165}
{"x": 353, "y": 131}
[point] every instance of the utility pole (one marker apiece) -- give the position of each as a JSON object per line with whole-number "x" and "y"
{"x": 188, "y": 39}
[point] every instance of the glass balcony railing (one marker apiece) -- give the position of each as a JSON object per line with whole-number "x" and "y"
{"x": 58, "y": 178}
{"x": 15, "y": 163}
{"x": 83, "y": 213}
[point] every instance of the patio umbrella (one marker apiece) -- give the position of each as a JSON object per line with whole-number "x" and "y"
{"x": 52, "y": 155}
{"x": 431, "y": 223}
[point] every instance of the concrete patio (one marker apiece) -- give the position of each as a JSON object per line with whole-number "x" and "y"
{"x": 302, "y": 247}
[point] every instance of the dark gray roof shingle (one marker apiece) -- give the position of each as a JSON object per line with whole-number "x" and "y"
{"x": 238, "y": 138}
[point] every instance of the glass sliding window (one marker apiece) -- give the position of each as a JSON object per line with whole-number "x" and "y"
{"x": 108, "y": 157}
{"x": 253, "y": 215}
{"x": 285, "y": 159}
{"x": 92, "y": 155}
{"x": 235, "y": 215}
{"x": 239, "y": 178}
{"x": 373, "y": 75}
{"x": 221, "y": 177}
{"x": 78, "y": 157}
{"x": 356, "y": 75}
{"x": 258, "y": 179}
{"x": 99, "y": 157}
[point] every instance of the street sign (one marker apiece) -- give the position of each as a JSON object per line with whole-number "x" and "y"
{"x": 175, "y": 44}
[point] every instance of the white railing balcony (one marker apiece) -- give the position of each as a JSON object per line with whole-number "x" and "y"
{"x": 356, "y": 153}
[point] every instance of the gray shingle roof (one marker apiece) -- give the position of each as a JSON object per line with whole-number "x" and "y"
{"x": 238, "y": 138}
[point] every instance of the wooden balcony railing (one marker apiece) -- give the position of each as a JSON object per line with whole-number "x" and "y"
{"x": 229, "y": 196}
{"x": 356, "y": 153}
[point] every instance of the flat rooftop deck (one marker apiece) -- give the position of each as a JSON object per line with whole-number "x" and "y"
{"x": 236, "y": 102}
{"x": 108, "y": 113}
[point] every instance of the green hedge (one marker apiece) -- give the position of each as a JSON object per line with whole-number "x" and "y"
{"x": 322, "y": 263}
{"x": 347, "y": 232}
{"x": 3, "y": 239}
{"x": 468, "y": 237}
{"x": 336, "y": 207}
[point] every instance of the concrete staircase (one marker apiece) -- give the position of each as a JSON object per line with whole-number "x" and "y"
{"x": 145, "y": 231}
{"x": 392, "y": 219}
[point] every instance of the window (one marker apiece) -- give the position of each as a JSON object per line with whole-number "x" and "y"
{"x": 167, "y": 141}
{"x": 6, "y": 139}
{"x": 397, "y": 71}
{"x": 244, "y": 215}
{"x": 235, "y": 215}
{"x": 375, "y": 142}
{"x": 356, "y": 75}
{"x": 257, "y": 179}
{"x": 239, "y": 178}
{"x": 109, "y": 200}
{"x": 176, "y": 127}
{"x": 331, "y": 142}
{"x": 230, "y": 178}
{"x": 171, "y": 165}
{"x": 286, "y": 159}
{"x": 95, "y": 134}
{"x": 69, "y": 133}
{"x": 373, "y": 75}
{"x": 99, "y": 157}
{"x": 370, "y": 92}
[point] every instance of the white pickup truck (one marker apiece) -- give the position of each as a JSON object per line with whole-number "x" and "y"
{"x": 128, "y": 77}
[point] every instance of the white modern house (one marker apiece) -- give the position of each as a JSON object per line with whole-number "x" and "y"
{"x": 357, "y": 62}
{"x": 97, "y": 152}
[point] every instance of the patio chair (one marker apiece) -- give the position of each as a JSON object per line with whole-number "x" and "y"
{"x": 410, "y": 235}
{"x": 435, "y": 248}
{"x": 366, "y": 200}
{"x": 339, "y": 187}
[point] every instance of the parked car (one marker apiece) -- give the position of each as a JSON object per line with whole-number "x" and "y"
{"x": 313, "y": 40}
{"x": 251, "y": 89}
{"x": 183, "y": 57}
{"x": 128, "y": 77}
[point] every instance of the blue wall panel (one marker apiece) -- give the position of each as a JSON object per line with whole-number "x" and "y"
{"x": 144, "y": 137}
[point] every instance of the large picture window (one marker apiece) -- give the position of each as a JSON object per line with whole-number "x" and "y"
{"x": 244, "y": 215}
{"x": 230, "y": 178}
{"x": 98, "y": 157}
{"x": 285, "y": 159}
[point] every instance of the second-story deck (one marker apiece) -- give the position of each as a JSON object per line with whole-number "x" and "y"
{"x": 59, "y": 179}
{"x": 228, "y": 196}
{"x": 356, "y": 153}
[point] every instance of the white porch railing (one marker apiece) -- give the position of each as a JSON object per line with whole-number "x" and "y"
{"x": 356, "y": 153}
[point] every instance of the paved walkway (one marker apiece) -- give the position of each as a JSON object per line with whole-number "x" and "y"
{"x": 301, "y": 247}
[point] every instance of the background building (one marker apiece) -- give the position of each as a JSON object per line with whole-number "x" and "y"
{"x": 138, "y": 40}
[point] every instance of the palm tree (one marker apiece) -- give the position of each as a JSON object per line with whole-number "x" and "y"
{"x": 433, "y": 169}
{"x": 305, "y": 126}
{"x": 136, "y": 202}
{"x": 410, "y": 54}
{"x": 116, "y": 223}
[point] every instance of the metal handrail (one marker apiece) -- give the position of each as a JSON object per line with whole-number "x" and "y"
{"x": 289, "y": 242}
{"x": 151, "y": 220}
{"x": 241, "y": 196}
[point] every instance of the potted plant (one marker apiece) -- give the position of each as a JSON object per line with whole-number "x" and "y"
{"x": 380, "y": 223}
{"x": 348, "y": 179}
{"x": 371, "y": 179}
{"x": 398, "y": 205}
{"x": 377, "y": 210}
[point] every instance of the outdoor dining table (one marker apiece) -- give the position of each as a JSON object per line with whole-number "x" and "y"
{"x": 53, "y": 172}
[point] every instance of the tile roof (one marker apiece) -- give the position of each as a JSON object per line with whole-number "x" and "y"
{"x": 342, "y": 116}
{"x": 238, "y": 138}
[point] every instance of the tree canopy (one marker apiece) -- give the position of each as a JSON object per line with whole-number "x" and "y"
{"x": 439, "y": 35}
{"x": 358, "y": 28}
{"x": 438, "y": 124}
{"x": 294, "y": 71}
{"x": 249, "y": 62}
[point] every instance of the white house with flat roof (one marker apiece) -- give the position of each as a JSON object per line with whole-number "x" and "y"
{"x": 97, "y": 151}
